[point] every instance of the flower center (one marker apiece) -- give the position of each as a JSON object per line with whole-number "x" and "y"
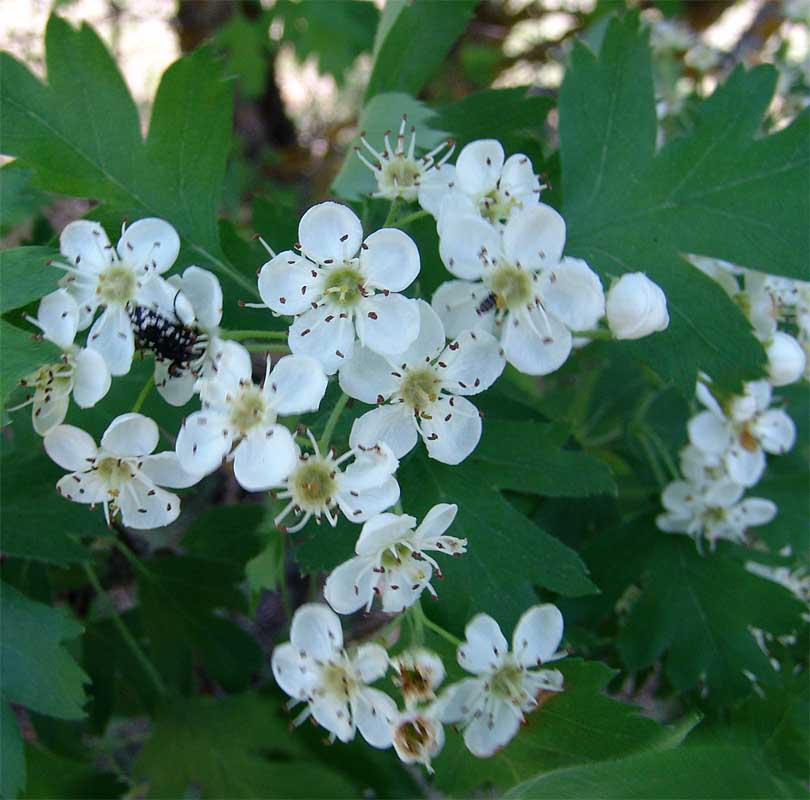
{"x": 497, "y": 206}
{"x": 414, "y": 736}
{"x": 420, "y": 387}
{"x": 748, "y": 441}
{"x": 248, "y": 409}
{"x": 511, "y": 286}
{"x": 414, "y": 683}
{"x": 117, "y": 285}
{"x": 312, "y": 484}
{"x": 391, "y": 561}
{"x": 114, "y": 472}
{"x": 344, "y": 285}
{"x": 400, "y": 172}
{"x": 336, "y": 679}
{"x": 507, "y": 682}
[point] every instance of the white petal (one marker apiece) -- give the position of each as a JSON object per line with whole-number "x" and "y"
{"x": 350, "y": 586}
{"x": 485, "y": 645}
{"x": 285, "y": 283}
{"x": 203, "y": 290}
{"x": 131, "y": 435}
{"x": 754, "y": 511}
{"x": 70, "y": 447}
{"x": 534, "y": 237}
{"x": 709, "y": 433}
{"x": 176, "y": 389}
{"x": 374, "y": 713}
{"x": 403, "y": 587}
{"x": 573, "y": 292}
{"x": 332, "y": 712}
{"x": 232, "y": 366}
{"x": 83, "y": 487}
{"x": 361, "y": 505}
{"x": 85, "y": 244}
{"x": 519, "y": 180}
{"x": 145, "y": 507}
{"x": 111, "y": 335}
{"x": 723, "y": 493}
{"x": 488, "y": 733}
{"x": 453, "y": 431}
{"x": 786, "y": 359}
{"x": 330, "y": 231}
{"x": 367, "y": 376}
{"x": 370, "y": 469}
{"x": 149, "y": 244}
{"x": 537, "y": 635}
{"x": 91, "y": 378}
{"x": 164, "y": 297}
{"x": 428, "y": 344}
{"x": 387, "y": 324}
{"x": 165, "y": 469}
{"x": 393, "y": 425}
{"x": 479, "y": 166}
{"x": 46, "y": 415}
{"x": 473, "y": 364}
{"x": 390, "y": 259}
{"x": 457, "y": 303}
{"x": 316, "y": 630}
{"x": 265, "y": 458}
{"x": 681, "y": 497}
{"x": 760, "y": 392}
{"x": 465, "y": 242}
{"x": 434, "y": 186}
{"x": 706, "y": 398}
{"x": 459, "y": 700}
{"x": 203, "y": 441}
{"x": 382, "y": 532}
{"x": 294, "y": 673}
{"x": 745, "y": 466}
{"x": 58, "y": 317}
{"x": 325, "y": 335}
{"x": 296, "y": 384}
{"x": 636, "y": 307}
{"x": 534, "y": 342}
{"x": 436, "y": 522}
{"x": 775, "y": 430}
{"x": 371, "y": 662}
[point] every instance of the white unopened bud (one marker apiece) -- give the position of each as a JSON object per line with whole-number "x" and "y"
{"x": 636, "y": 307}
{"x": 786, "y": 359}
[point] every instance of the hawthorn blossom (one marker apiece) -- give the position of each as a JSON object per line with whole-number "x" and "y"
{"x": 421, "y": 392}
{"x": 518, "y": 285}
{"x": 392, "y": 561}
{"x": 636, "y": 307}
{"x": 743, "y": 431}
{"x": 201, "y": 288}
{"x": 80, "y": 371}
{"x": 483, "y": 184}
{"x": 317, "y": 487}
{"x": 315, "y": 668}
{"x": 490, "y": 706}
{"x": 398, "y": 172}
{"x": 712, "y": 510}
{"x": 787, "y": 359}
{"x": 117, "y": 280}
{"x": 418, "y": 672}
{"x": 124, "y": 475}
{"x": 238, "y": 418}
{"x": 341, "y": 288}
{"x": 418, "y": 736}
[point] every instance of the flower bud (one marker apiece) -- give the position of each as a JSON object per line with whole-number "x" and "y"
{"x": 786, "y": 359}
{"x": 636, "y": 307}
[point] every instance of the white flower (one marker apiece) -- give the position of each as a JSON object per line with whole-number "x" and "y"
{"x": 702, "y": 57}
{"x": 670, "y": 36}
{"x": 398, "y": 172}
{"x": 482, "y": 184}
{"x": 237, "y": 412}
{"x": 176, "y": 379}
{"x": 418, "y": 672}
{"x": 786, "y": 359}
{"x": 317, "y": 487}
{"x": 723, "y": 272}
{"x": 118, "y": 280}
{"x": 712, "y": 510}
{"x": 743, "y": 432}
{"x": 80, "y": 371}
{"x": 313, "y": 667}
{"x": 420, "y": 392}
{"x": 490, "y": 707}
{"x": 123, "y": 474}
{"x": 418, "y": 736}
{"x": 338, "y": 294}
{"x": 523, "y": 289}
{"x": 636, "y": 307}
{"x": 392, "y": 561}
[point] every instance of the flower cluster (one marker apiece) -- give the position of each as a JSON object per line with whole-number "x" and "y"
{"x": 315, "y": 668}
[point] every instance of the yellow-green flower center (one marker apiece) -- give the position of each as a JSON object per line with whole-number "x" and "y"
{"x": 400, "y": 172}
{"x": 511, "y": 286}
{"x": 345, "y": 286}
{"x": 313, "y": 484}
{"x": 117, "y": 285}
{"x": 391, "y": 561}
{"x": 113, "y": 471}
{"x": 496, "y": 207}
{"x": 507, "y": 682}
{"x": 248, "y": 409}
{"x": 420, "y": 387}
{"x": 335, "y": 679}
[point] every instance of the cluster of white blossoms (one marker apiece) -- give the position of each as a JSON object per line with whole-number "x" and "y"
{"x": 315, "y": 668}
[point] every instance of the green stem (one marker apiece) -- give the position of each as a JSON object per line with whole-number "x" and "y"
{"x": 408, "y": 219}
{"x": 267, "y": 347}
{"x": 428, "y": 623}
{"x": 391, "y": 212}
{"x": 599, "y": 333}
{"x": 649, "y": 452}
{"x": 143, "y": 660}
{"x": 323, "y": 443}
{"x": 144, "y": 393}
{"x": 135, "y": 562}
{"x": 239, "y": 336}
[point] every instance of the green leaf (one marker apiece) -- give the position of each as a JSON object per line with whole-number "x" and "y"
{"x": 54, "y": 776}
{"x": 19, "y": 200}
{"x": 699, "y": 611}
{"x": 718, "y": 772}
{"x": 20, "y": 355}
{"x": 12, "y": 754}
{"x": 25, "y": 279}
{"x": 412, "y": 41}
{"x": 718, "y": 191}
{"x": 236, "y": 747}
{"x": 35, "y": 669}
{"x": 580, "y": 725}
